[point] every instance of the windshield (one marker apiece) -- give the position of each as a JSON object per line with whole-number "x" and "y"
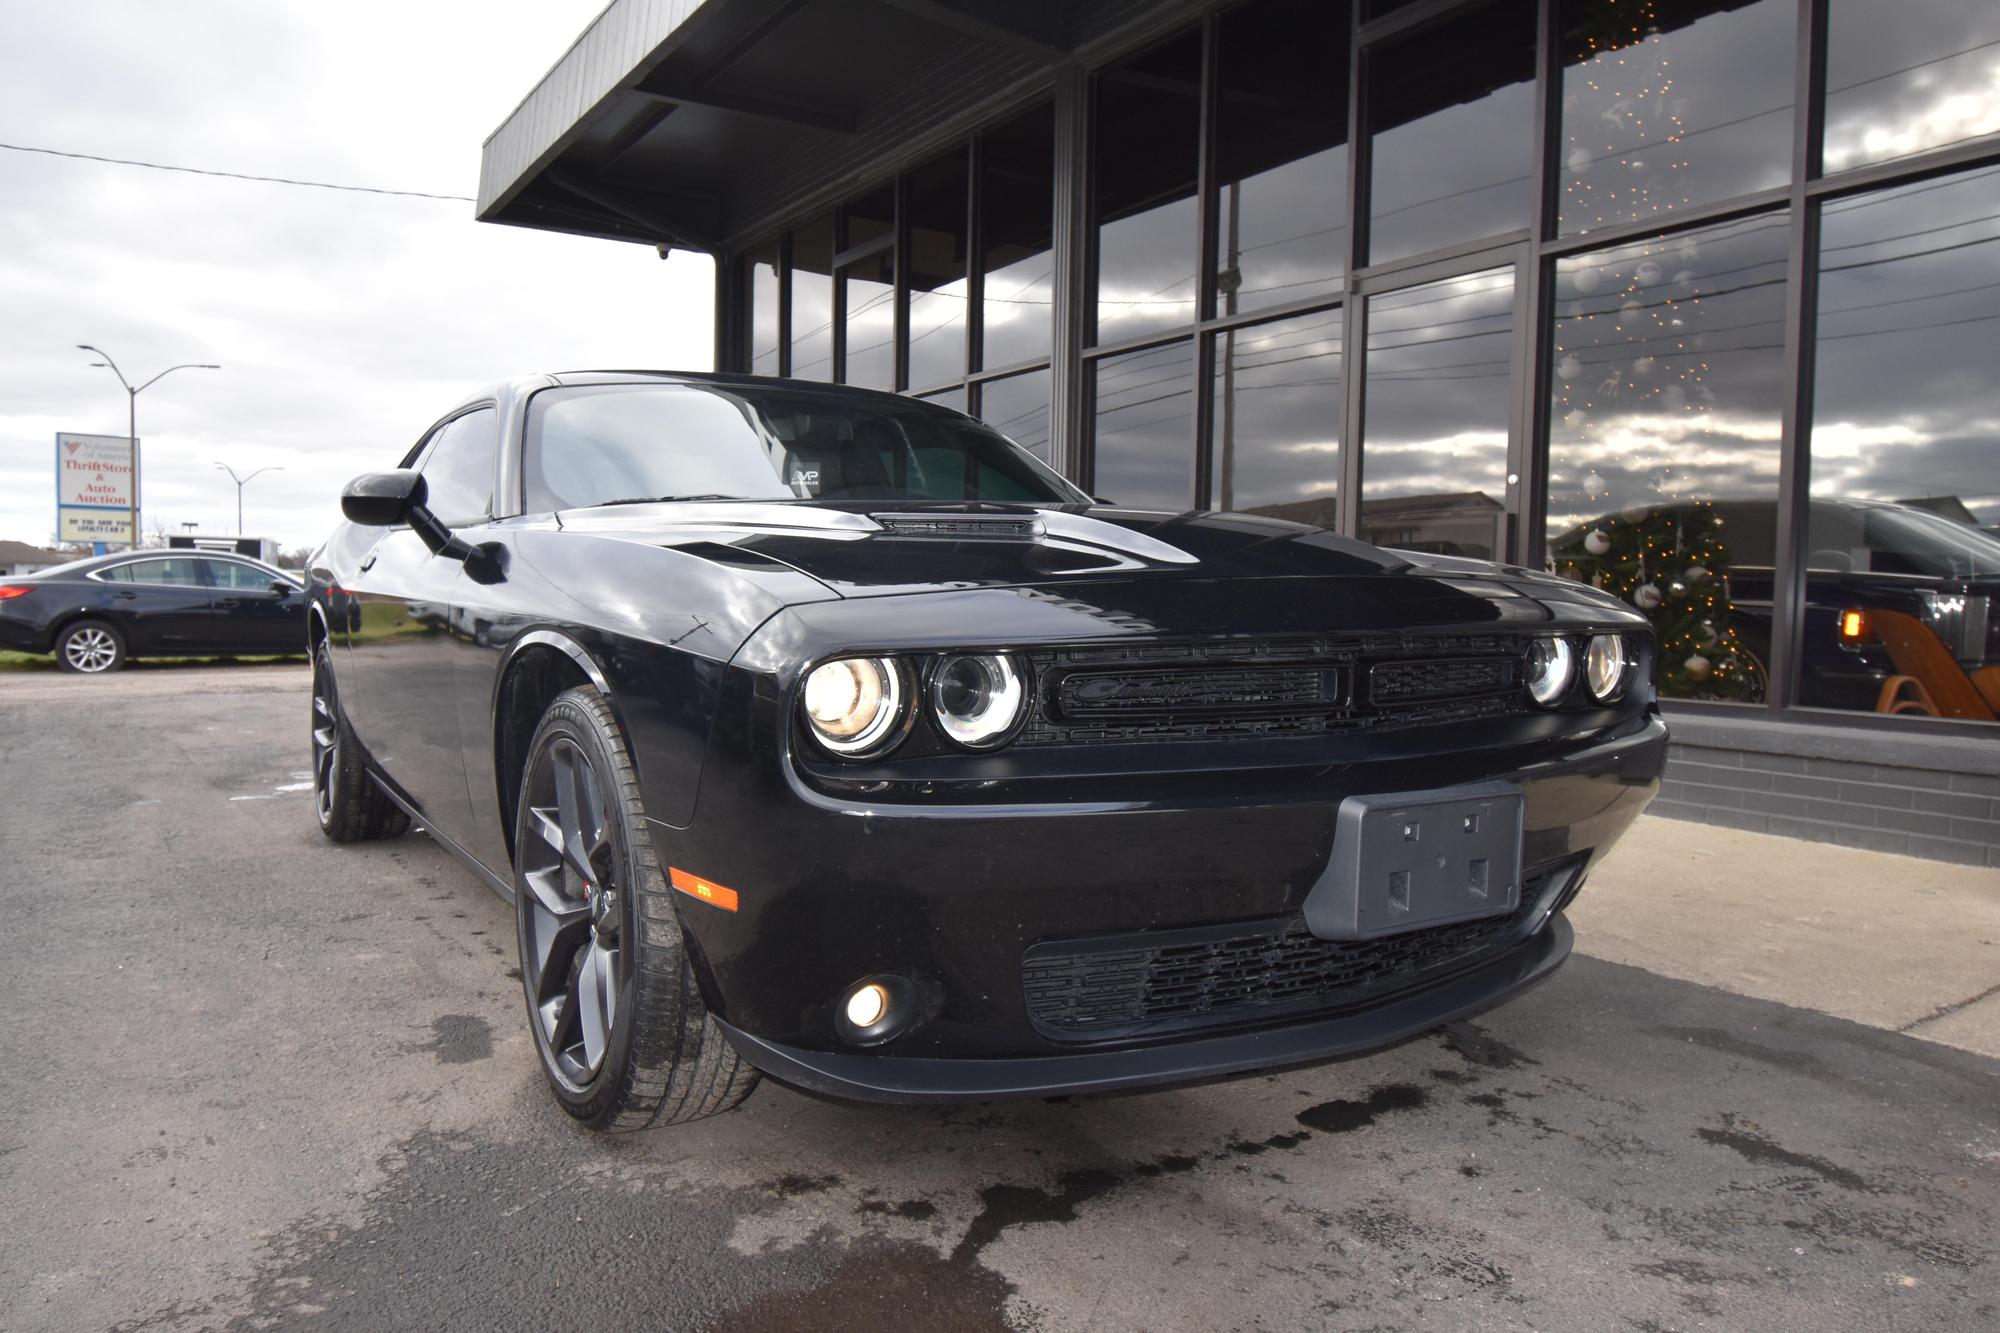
{"x": 603, "y": 444}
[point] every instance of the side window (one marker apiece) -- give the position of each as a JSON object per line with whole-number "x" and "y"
{"x": 178, "y": 572}
{"x": 458, "y": 468}
{"x": 230, "y": 574}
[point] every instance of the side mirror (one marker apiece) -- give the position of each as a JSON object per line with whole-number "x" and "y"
{"x": 281, "y": 588}
{"x": 382, "y": 499}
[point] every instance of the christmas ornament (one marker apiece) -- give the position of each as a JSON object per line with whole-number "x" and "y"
{"x": 1593, "y": 486}
{"x": 1644, "y": 367}
{"x": 1647, "y": 597}
{"x": 1579, "y": 161}
{"x": 1597, "y": 543}
{"x": 1647, "y": 273}
{"x": 1569, "y": 368}
{"x": 1630, "y": 313}
{"x": 1697, "y": 667}
{"x": 1696, "y": 573}
{"x": 1597, "y": 579}
{"x": 1708, "y": 637}
{"x": 1677, "y": 588}
{"x": 1585, "y": 280}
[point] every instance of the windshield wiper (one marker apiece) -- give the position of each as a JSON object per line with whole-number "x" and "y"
{"x": 670, "y": 499}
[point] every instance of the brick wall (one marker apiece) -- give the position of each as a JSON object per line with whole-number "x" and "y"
{"x": 1935, "y": 797}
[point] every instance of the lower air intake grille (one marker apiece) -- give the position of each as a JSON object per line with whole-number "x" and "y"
{"x": 1154, "y": 982}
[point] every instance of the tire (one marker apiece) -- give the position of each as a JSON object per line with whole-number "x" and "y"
{"x": 624, "y": 1038}
{"x": 350, "y": 806}
{"x": 90, "y": 648}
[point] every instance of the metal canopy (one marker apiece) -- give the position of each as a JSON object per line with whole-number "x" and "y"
{"x": 688, "y": 124}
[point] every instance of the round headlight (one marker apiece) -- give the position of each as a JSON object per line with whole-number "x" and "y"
{"x": 855, "y": 704}
{"x": 1551, "y": 668}
{"x": 1605, "y": 666}
{"x": 977, "y": 699}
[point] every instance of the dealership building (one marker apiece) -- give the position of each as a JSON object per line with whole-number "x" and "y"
{"x": 1695, "y": 300}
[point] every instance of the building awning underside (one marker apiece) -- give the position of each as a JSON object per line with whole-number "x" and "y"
{"x": 690, "y": 124}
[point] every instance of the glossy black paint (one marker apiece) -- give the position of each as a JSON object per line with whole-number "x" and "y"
{"x": 207, "y": 615}
{"x": 697, "y": 620}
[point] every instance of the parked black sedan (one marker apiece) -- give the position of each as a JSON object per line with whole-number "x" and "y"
{"x": 99, "y": 613}
{"x": 826, "y": 733}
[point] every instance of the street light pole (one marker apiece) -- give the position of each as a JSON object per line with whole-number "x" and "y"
{"x": 132, "y": 415}
{"x": 241, "y": 482}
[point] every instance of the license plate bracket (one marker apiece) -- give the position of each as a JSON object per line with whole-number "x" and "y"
{"x": 1406, "y": 860}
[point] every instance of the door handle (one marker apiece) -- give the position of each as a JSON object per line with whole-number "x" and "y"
{"x": 369, "y": 563}
{"x": 125, "y": 596}
{"x": 230, "y": 603}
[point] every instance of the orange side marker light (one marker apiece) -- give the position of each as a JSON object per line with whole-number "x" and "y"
{"x": 705, "y": 889}
{"x": 1853, "y": 625}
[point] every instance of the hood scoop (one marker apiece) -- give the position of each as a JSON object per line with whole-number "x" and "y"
{"x": 1013, "y": 527}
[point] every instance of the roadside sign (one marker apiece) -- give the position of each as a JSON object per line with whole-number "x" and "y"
{"x": 94, "y": 488}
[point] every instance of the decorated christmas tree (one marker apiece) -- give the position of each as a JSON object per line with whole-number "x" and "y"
{"x": 1667, "y": 561}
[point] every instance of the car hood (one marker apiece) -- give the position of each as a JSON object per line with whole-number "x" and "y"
{"x": 883, "y": 549}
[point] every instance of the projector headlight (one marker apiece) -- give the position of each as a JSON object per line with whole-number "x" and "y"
{"x": 1551, "y": 668}
{"x": 1606, "y": 665}
{"x": 977, "y": 700}
{"x": 856, "y": 705}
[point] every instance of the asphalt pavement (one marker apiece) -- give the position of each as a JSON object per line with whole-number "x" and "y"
{"x": 256, "y": 1080}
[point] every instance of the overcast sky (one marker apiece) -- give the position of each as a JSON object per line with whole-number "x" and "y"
{"x": 345, "y": 323}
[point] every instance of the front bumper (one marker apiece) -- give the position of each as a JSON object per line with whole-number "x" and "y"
{"x": 832, "y": 892}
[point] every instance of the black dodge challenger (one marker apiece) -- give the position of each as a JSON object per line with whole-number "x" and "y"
{"x": 826, "y": 733}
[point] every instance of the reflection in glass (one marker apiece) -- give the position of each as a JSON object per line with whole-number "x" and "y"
{"x": 1145, "y": 428}
{"x": 953, "y": 398}
{"x": 1148, "y": 129}
{"x": 1905, "y": 474}
{"x": 1453, "y": 114}
{"x": 1664, "y": 422}
{"x": 1277, "y": 418}
{"x": 812, "y": 300}
{"x": 1281, "y": 153}
{"x": 935, "y": 259}
{"x": 1907, "y": 77}
{"x": 1434, "y": 433}
{"x": 1667, "y": 105}
{"x": 1016, "y": 205}
{"x": 763, "y": 268}
{"x": 1018, "y": 407}
{"x": 871, "y": 322}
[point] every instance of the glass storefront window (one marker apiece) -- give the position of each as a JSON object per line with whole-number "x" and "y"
{"x": 1016, "y": 208}
{"x": 1018, "y": 407}
{"x": 869, "y": 218}
{"x": 1281, "y": 153}
{"x": 953, "y": 398}
{"x": 1668, "y": 105}
{"x": 1278, "y": 400}
{"x": 1664, "y": 424}
{"x": 1908, "y": 77}
{"x": 871, "y": 322}
{"x": 1145, "y": 428}
{"x": 763, "y": 269}
{"x": 935, "y": 261}
{"x": 1452, "y": 115}
{"x": 1148, "y": 130}
{"x": 1904, "y": 525}
{"x": 812, "y": 300}
{"x": 1434, "y": 433}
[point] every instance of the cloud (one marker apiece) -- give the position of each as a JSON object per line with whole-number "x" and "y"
{"x": 345, "y": 323}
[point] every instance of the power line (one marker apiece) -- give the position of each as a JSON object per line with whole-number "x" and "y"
{"x": 233, "y": 175}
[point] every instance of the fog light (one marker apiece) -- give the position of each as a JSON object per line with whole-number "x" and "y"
{"x": 868, "y": 1005}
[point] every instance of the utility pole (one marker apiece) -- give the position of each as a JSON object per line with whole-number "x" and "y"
{"x": 241, "y": 482}
{"x": 132, "y": 416}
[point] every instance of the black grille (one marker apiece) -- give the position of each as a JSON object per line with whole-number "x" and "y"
{"x": 1268, "y": 688}
{"x": 1168, "y": 981}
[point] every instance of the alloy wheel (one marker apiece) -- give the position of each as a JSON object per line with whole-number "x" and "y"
{"x": 571, "y": 912}
{"x": 324, "y": 736}
{"x": 90, "y": 649}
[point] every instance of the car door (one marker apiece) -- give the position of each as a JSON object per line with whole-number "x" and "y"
{"x": 160, "y": 604}
{"x": 398, "y": 683}
{"x": 251, "y": 614}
